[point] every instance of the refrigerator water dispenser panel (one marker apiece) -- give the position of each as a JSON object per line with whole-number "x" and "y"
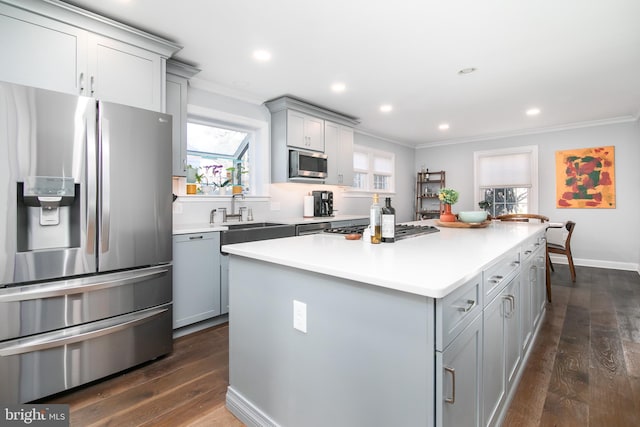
{"x": 48, "y": 213}
{"x": 48, "y": 193}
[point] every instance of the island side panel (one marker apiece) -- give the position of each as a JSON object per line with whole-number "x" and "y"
{"x": 367, "y": 357}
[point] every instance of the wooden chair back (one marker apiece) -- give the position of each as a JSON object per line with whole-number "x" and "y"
{"x": 522, "y": 217}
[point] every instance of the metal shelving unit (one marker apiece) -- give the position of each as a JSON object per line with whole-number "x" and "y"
{"x": 427, "y": 186}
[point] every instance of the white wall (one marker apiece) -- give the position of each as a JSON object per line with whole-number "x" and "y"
{"x": 602, "y": 237}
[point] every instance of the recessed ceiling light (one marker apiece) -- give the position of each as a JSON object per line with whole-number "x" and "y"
{"x": 385, "y": 108}
{"x": 467, "y": 71}
{"x": 261, "y": 55}
{"x": 533, "y": 111}
{"x": 338, "y": 87}
{"x": 443, "y": 126}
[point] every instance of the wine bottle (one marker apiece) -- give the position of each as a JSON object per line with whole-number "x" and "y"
{"x": 375, "y": 220}
{"x": 388, "y": 222}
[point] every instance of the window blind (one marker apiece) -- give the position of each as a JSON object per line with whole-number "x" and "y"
{"x": 507, "y": 170}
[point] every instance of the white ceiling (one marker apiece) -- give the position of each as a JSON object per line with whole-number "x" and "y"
{"x": 576, "y": 60}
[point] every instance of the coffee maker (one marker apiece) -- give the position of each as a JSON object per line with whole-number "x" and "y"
{"x": 322, "y": 203}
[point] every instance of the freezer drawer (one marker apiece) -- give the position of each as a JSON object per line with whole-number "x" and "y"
{"x": 41, "y": 365}
{"x": 33, "y": 309}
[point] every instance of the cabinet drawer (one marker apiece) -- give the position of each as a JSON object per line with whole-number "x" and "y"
{"x": 455, "y": 311}
{"x": 498, "y": 275}
{"x": 530, "y": 246}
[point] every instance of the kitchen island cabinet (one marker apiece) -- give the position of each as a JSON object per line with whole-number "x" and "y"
{"x": 326, "y": 331}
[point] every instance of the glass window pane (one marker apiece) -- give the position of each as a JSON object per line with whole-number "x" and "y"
{"x": 210, "y": 139}
{"x": 380, "y": 182}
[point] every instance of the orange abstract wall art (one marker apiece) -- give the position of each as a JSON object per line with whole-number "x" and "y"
{"x": 585, "y": 178}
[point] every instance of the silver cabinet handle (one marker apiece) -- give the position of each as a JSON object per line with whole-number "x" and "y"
{"x": 528, "y": 252}
{"x": 91, "y": 80}
{"x": 470, "y": 304}
{"x": 81, "y": 83}
{"x": 77, "y": 286}
{"x": 512, "y": 305}
{"x": 451, "y": 399}
{"x": 496, "y": 279}
{"x": 515, "y": 263}
{"x": 60, "y": 338}
{"x": 195, "y": 237}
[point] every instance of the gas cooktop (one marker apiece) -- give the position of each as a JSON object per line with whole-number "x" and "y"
{"x": 402, "y": 231}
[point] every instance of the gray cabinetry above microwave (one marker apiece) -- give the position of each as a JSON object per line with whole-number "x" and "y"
{"x": 298, "y": 125}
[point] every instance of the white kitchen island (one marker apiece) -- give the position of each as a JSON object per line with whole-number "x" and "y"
{"x": 430, "y": 330}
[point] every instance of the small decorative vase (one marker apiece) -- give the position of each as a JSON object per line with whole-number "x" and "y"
{"x": 223, "y": 191}
{"x": 447, "y": 216}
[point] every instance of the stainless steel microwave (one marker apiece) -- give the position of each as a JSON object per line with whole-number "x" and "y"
{"x": 306, "y": 164}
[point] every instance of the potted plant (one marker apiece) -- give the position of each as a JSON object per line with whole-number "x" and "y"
{"x": 448, "y": 197}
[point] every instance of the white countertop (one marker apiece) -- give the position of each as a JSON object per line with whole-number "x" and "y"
{"x": 431, "y": 265}
{"x": 206, "y": 227}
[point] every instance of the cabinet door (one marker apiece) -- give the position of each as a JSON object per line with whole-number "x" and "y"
{"x": 314, "y": 132}
{"x": 459, "y": 379}
{"x": 331, "y": 147}
{"x": 196, "y": 278}
{"x": 512, "y": 315}
{"x": 295, "y": 130}
{"x": 338, "y": 146}
{"x": 177, "y": 106}
{"x": 40, "y": 52}
{"x": 538, "y": 287}
{"x": 494, "y": 383}
{"x": 125, "y": 74}
{"x": 527, "y": 280}
{"x": 345, "y": 156}
{"x": 305, "y": 131}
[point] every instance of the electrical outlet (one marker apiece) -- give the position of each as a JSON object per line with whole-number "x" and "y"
{"x": 300, "y": 316}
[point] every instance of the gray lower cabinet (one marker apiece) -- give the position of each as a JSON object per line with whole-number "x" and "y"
{"x": 501, "y": 348}
{"x": 459, "y": 379}
{"x": 196, "y": 278}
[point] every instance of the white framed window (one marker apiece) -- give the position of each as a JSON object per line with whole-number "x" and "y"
{"x": 506, "y": 180}
{"x": 242, "y": 141}
{"x": 373, "y": 170}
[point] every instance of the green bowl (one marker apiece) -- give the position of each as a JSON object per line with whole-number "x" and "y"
{"x": 472, "y": 216}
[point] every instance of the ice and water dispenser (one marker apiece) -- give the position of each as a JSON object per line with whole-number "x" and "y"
{"x": 48, "y": 213}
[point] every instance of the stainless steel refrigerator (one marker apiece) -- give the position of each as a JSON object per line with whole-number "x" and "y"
{"x": 85, "y": 240}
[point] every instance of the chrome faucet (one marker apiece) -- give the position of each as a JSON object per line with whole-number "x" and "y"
{"x": 212, "y": 216}
{"x": 233, "y": 213}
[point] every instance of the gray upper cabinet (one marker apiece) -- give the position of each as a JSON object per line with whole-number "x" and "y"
{"x": 338, "y": 143}
{"x": 304, "y": 131}
{"x": 57, "y": 46}
{"x": 298, "y": 125}
{"x": 178, "y": 75}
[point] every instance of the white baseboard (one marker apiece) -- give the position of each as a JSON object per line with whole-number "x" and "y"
{"x": 612, "y": 265}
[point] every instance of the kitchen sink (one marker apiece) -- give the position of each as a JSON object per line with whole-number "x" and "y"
{"x": 242, "y": 226}
{"x": 251, "y": 232}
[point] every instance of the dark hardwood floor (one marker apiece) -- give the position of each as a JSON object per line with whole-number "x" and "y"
{"x": 584, "y": 369}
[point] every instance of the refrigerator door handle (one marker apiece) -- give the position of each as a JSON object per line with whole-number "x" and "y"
{"x": 105, "y": 185}
{"x": 79, "y": 333}
{"x": 92, "y": 187}
{"x": 71, "y": 287}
